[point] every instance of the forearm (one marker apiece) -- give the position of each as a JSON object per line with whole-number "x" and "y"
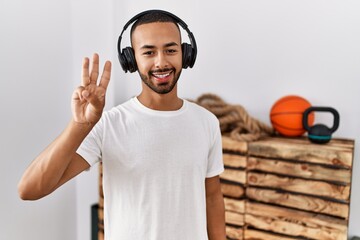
{"x": 216, "y": 217}
{"x": 45, "y": 172}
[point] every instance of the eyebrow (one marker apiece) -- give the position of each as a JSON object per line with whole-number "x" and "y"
{"x": 170, "y": 44}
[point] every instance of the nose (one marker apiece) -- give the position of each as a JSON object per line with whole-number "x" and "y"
{"x": 161, "y": 60}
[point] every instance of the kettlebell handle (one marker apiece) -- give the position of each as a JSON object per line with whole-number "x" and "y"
{"x": 321, "y": 109}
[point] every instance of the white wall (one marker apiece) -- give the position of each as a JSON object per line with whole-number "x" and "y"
{"x": 36, "y": 79}
{"x": 92, "y": 32}
{"x": 250, "y": 53}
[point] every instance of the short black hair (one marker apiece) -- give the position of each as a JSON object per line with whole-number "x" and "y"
{"x": 152, "y": 17}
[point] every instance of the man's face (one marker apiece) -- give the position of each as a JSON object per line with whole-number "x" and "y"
{"x": 158, "y": 55}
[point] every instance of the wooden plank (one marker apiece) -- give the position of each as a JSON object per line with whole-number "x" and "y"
{"x": 231, "y": 145}
{"x": 294, "y": 222}
{"x": 101, "y": 204}
{"x": 313, "y": 153}
{"x": 232, "y": 160}
{"x": 298, "y": 201}
{"x": 335, "y": 142}
{"x": 234, "y": 218}
{"x": 231, "y": 190}
{"x": 100, "y": 179}
{"x": 316, "y": 188}
{"x": 101, "y": 236}
{"x": 238, "y": 176}
{"x": 234, "y": 205}
{"x": 101, "y": 213}
{"x": 234, "y": 233}
{"x": 342, "y": 142}
{"x": 303, "y": 170}
{"x": 251, "y": 234}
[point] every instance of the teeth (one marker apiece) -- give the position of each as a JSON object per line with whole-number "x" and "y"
{"x": 161, "y": 75}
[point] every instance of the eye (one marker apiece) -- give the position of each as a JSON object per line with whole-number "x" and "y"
{"x": 171, "y": 51}
{"x": 148, "y": 53}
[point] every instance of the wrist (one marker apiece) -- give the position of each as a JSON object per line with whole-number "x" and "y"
{"x": 80, "y": 129}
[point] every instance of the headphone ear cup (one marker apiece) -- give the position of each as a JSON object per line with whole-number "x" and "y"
{"x": 123, "y": 62}
{"x": 127, "y": 60}
{"x": 187, "y": 55}
{"x": 129, "y": 57}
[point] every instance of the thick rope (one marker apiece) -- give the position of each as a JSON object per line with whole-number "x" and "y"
{"x": 235, "y": 122}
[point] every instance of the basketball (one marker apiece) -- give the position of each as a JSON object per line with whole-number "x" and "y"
{"x": 286, "y": 115}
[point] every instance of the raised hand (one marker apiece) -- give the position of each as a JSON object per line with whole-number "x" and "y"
{"x": 88, "y": 100}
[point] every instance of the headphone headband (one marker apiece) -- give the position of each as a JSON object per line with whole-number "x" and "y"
{"x": 191, "y": 51}
{"x": 139, "y": 15}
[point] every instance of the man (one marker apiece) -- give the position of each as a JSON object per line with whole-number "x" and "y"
{"x": 161, "y": 154}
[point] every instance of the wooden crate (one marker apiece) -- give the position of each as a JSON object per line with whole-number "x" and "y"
{"x": 287, "y": 188}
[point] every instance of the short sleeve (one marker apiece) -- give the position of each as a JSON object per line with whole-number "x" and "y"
{"x": 215, "y": 159}
{"x": 90, "y": 148}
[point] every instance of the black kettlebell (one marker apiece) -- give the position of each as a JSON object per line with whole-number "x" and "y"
{"x": 319, "y": 133}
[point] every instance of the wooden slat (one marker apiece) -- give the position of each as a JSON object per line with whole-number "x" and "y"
{"x": 298, "y": 201}
{"x": 335, "y": 142}
{"x": 101, "y": 219}
{"x": 100, "y": 235}
{"x": 234, "y": 205}
{"x": 234, "y": 233}
{"x": 251, "y": 234}
{"x": 100, "y": 179}
{"x": 295, "y": 223}
{"x": 316, "y": 188}
{"x": 313, "y": 153}
{"x": 233, "y": 175}
{"x": 232, "y": 160}
{"x": 101, "y": 204}
{"x": 231, "y": 190}
{"x": 303, "y": 170}
{"x": 231, "y": 145}
{"x": 234, "y": 218}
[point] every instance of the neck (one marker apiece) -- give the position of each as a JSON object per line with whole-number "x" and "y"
{"x": 161, "y": 102}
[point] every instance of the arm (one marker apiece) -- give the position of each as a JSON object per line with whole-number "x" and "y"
{"x": 59, "y": 162}
{"x": 215, "y": 209}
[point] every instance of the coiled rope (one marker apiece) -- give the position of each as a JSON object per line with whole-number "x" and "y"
{"x": 235, "y": 122}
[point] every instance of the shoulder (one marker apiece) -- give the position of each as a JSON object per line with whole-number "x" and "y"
{"x": 202, "y": 114}
{"x": 205, "y": 120}
{"x": 122, "y": 108}
{"x": 116, "y": 113}
{"x": 201, "y": 111}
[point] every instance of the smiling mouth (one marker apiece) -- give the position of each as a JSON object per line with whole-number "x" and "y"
{"x": 163, "y": 76}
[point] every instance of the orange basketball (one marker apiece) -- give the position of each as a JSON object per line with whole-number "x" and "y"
{"x": 286, "y": 115}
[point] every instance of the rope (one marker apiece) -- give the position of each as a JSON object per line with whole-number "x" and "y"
{"x": 235, "y": 122}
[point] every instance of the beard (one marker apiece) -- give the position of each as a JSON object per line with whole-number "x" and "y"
{"x": 163, "y": 88}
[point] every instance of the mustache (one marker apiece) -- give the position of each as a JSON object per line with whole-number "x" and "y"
{"x": 162, "y": 70}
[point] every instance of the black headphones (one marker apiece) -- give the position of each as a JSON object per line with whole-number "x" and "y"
{"x": 126, "y": 55}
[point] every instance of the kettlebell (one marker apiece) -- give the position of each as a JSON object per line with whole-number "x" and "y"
{"x": 320, "y": 133}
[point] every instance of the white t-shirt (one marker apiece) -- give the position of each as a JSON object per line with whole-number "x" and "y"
{"x": 154, "y": 169}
